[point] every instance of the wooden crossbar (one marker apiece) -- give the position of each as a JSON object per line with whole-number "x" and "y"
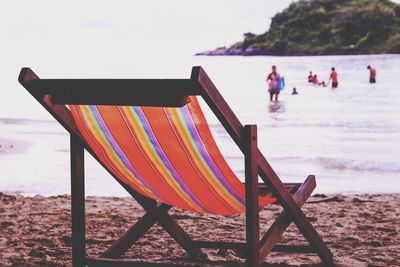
{"x": 105, "y": 262}
{"x": 122, "y": 92}
{"x": 241, "y": 246}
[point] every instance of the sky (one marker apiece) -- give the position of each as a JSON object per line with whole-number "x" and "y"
{"x": 126, "y": 39}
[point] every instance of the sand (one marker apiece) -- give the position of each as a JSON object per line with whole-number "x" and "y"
{"x": 361, "y": 230}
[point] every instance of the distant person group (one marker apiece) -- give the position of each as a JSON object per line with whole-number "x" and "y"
{"x": 333, "y": 76}
{"x": 276, "y": 82}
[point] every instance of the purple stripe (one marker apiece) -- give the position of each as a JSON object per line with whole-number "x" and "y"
{"x": 196, "y": 169}
{"x": 114, "y": 171}
{"x": 195, "y": 136}
{"x": 104, "y": 129}
{"x": 164, "y": 159}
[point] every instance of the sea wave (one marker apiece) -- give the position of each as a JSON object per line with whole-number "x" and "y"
{"x": 25, "y": 121}
{"x": 359, "y": 165}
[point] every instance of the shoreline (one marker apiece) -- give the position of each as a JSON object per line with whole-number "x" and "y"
{"x": 361, "y": 230}
{"x": 253, "y": 52}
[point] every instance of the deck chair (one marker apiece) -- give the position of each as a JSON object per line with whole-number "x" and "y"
{"x": 152, "y": 137}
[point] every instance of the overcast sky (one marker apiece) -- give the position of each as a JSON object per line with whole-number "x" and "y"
{"x": 74, "y": 31}
{"x": 96, "y": 38}
{"x": 124, "y": 38}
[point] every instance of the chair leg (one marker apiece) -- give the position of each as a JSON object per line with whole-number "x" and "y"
{"x": 252, "y": 215}
{"x": 179, "y": 235}
{"x": 312, "y": 236}
{"x": 77, "y": 202}
{"x": 122, "y": 244}
{"x": 274, "y": 233}
{"x": 167, "y": 223}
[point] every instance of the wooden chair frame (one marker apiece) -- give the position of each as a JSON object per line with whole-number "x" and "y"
{"x": 54, "y": 94}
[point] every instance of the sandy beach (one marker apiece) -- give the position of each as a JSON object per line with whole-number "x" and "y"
{"x": 361, "y": 230}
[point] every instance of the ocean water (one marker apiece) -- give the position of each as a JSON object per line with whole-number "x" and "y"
{"x": 348, "y": 137}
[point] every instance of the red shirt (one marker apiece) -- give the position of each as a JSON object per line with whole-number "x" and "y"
{"x": 334, "y": 76}
{"x": 372, "y": 73}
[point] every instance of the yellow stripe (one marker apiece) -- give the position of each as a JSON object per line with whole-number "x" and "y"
{"x": 97, "y": 133}
{"x": 202, "y": 165}
{"x": 155, "y": 159}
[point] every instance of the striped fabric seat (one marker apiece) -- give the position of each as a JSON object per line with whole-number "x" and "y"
{"x": 167, "y": 154}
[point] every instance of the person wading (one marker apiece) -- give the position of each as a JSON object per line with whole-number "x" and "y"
{"x": 334, "y": 78}
{"x": 272, "y": 80}
{"x": 372, "y": 74}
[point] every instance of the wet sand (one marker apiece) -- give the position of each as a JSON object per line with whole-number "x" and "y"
{"x": 361, "y": 230}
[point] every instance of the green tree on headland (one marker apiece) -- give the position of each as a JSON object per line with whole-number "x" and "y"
{"x": 321, "y": 27}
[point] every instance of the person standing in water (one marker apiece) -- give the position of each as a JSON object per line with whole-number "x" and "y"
{"x": 372, "y": 74}
{"x": 334, "y": 78}
{"x": 272, "y": 80}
